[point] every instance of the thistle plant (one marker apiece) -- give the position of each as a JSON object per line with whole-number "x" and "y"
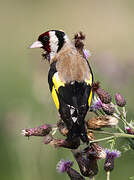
{"x": 105, "y": 114}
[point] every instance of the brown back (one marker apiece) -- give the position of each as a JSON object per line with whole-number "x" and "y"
{"x": 71, "y": 66}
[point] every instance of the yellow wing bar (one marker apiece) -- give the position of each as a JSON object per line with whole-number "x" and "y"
{"x": 55, "y": 98}
{"x": 57, "y": 83}
{"x": 89, "y": 82}
{"x": 90, "y": 98}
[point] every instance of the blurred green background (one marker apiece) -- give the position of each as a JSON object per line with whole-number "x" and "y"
{"x": 25, "y": 101}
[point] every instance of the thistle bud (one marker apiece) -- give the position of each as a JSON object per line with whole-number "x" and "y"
{"x": 110, "y": 157}
{"x": 74, "y": 144}
{"x": 87, "y": 161}
{"x": 47, "y": 139}
{"x": 83, "y": 163}
{"x": 129, "y": 130}
{"x": 104, "y": 96}
{"x": 78, "y": 38}
{"x": 108, "y": 109}
{"x": 39, "y": 131}
{"x": 62, "y": 128}
{"x": 120, "y": 100}
{"x": 101, "y": 122}
{"x": 93, "y": 166}
{"x": 94, "y": 149}
{"x": 100, "y": 152}
{"x": 90, "y": 136}
{"x": 66, "y": 166}
{"x": 74, "y": 175}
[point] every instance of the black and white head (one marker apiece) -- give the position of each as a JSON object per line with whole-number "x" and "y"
{"x": 51, "y": 41}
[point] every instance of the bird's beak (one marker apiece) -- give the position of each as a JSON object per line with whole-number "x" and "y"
{"x": 36, "y": 44}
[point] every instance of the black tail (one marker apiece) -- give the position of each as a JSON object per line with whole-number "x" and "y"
{"x": 78, "y": 130}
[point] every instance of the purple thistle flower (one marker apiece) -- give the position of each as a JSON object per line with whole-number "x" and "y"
{"x": 63, "y": 165}
{"x": 97, "y": 105}
{"x": 110, "y": 156}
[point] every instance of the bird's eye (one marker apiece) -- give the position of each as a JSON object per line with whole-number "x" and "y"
{"x": 45, "y": 38}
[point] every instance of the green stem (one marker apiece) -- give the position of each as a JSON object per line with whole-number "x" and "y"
{"x": 128, "y": 124}
{"x": 120, "y": 130}
{"x": 101, "y": 132}
{"x": 101, "y": 111}
{"x": 114, "y": 135}
{"x": 116, "y": 108}
{"x": 131, "y": 141}
{"x": 108, "y": 175}
{"x": 124, "y": 112}
{"x": 122, "y": 118}
{"x": 102, "y": 139}
{"x": 124, "y": 135}
{"x": 97, "y": 114}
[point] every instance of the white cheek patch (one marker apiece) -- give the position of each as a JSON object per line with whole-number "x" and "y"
{"x": 66, "y": 38}
{"x": 53, "y": 44}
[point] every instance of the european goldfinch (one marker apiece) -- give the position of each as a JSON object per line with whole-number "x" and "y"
{"x": 70, "y": 81}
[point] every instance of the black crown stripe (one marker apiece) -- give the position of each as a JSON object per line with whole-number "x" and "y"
{"x": 60, "y": 35}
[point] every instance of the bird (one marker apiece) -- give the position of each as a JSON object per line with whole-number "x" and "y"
{"x": 70, "y": 80}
